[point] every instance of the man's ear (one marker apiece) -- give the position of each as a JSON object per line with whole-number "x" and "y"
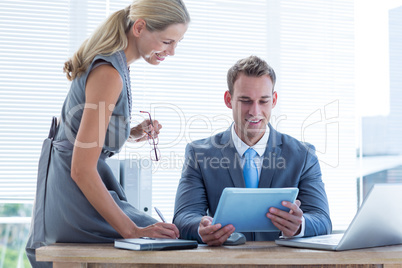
{"x": 139, "y": 26}
{"x": 228, "y": 99}
{"x": 274, "y": 99}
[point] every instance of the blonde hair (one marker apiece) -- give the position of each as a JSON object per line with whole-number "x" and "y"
{"x": 111, "y": 37}
{"x": 251, "y": 66}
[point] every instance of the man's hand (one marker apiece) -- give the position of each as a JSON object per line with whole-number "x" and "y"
{"x": 289, "y": 223}
{"x": 214, "y": 235}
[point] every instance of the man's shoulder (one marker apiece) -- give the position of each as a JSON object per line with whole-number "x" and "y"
{"x": 211, "y": 142}
{"x": 291, "y": 143}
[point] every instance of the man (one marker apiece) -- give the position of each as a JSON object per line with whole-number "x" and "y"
{"x": 217, "y": 162}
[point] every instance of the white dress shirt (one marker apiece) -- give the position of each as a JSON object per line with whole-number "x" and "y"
{"x": 259, "y": 147}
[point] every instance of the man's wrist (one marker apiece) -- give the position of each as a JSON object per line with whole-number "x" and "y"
{"x": 301, "y": 228}
{"x": 198, "y": 231}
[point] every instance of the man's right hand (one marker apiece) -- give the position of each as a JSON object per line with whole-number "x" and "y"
{"x": 214, "y": 235}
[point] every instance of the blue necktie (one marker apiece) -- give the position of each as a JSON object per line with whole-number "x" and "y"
{"x": 250, "y": 171}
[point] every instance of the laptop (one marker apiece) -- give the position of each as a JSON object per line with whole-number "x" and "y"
{"x": 378, "y": 222}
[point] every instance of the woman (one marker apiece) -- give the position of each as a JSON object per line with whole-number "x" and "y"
{"x": 81, "y": 201}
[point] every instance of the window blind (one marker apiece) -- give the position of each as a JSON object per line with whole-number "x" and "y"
{"x": 33, "y": 46}
{"x": 312, "y": 44}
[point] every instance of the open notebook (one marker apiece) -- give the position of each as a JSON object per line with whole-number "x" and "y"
{"x": 378, "y": 222}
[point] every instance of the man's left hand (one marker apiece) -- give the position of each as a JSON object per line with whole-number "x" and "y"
{"x": 289, "y": 223}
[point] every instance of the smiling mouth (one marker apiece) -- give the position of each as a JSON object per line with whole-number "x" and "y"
{"x": 159, "y": 57}
{"x": 254, "y": 121}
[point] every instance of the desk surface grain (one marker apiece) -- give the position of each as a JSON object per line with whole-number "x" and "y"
{"x": 251, "y": 253}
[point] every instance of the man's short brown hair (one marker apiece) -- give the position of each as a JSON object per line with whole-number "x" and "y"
{"x": 250, "y": 66}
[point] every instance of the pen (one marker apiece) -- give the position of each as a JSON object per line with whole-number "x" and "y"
{"x": 160, "y": 214}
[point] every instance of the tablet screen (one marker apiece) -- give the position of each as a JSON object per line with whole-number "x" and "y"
{"x": 246, "y": 208}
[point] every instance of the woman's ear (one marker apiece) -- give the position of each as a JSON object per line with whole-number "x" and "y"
{"x": 138, "y": 27}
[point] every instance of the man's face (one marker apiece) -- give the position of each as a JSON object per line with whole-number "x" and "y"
{"x": 252, "y": 102}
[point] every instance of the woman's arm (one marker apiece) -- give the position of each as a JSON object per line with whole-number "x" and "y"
{"x": 103, "y": 88}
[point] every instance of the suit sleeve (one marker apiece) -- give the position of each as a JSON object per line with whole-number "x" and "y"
{"x": 191, "y": 201}
{"x": 314, "y": 202}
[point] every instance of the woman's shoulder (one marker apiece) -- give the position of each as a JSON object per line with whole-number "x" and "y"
{"x": 117, "y": 60}
{"x": 105, "y": 77}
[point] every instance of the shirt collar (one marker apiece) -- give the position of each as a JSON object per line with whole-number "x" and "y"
{"x": 259, "y": 147}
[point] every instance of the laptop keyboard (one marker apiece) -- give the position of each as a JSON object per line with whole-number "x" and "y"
{"x": 326, "y": 239}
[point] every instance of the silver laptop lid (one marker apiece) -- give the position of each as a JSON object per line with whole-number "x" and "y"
{"x": 378, "y": 221}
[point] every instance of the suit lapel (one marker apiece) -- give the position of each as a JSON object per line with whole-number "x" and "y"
{"x": 229, "y": 152}
{"x": 271, "y": 155}
{"x": 270, "y": 161}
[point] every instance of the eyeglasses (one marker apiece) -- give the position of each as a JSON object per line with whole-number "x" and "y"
{"x": 155, "y": 153}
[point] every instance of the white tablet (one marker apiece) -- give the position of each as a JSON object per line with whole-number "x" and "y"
{"x": 246, "y": 208}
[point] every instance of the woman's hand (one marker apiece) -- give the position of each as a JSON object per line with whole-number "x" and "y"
{"x": 158, "y": 230}
{"x": 141, "y": 131}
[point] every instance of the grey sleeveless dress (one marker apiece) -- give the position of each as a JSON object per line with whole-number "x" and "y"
{"x": 67, "y": 214}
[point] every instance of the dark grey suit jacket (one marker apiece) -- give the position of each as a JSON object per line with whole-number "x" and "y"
{"x": 213, "y": 164}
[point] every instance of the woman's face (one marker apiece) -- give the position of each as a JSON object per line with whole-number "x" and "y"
{"x": 155, "y": 46}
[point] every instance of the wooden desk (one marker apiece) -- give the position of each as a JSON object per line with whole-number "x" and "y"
{"x": 252, "y": 254}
